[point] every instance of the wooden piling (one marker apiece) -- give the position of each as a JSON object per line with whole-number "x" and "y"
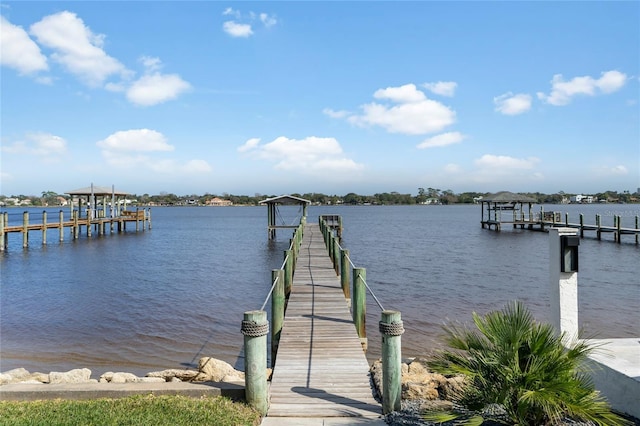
{"x": 2, "y": 233}
{"x": 336, "y": 256}
{"x": 359, "y": 305}
{"x": 25, "y": 229}
{"x": 277, "y": 311}
{"x": 44, "y": 227}
{"x": 255, "y": 328}
{"x": 581, "y": 225}
{"x": 598, "y": 232}
{"x": 344, "y": 275}
{"x": 391, "y": 329}
{"x": 618, "y": 234}
{"x": 61, "y": 225}
{"x": 288, "y": 272}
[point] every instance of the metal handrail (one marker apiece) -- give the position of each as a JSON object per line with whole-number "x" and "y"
{"x": 364, "y": 281}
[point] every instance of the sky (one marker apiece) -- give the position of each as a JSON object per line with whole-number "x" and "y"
{"x": 272, "y": 98}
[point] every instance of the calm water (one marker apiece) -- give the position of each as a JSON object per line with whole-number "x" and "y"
{"x": 163, "y": 298}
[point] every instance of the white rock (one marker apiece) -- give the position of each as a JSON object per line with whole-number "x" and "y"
{"x": 124, "y": 378}
{"x": 78, "y": 375}
{"x": 215, "y": 370}
{"x": 13, "y": 376}
{"x": 151, "y": 380}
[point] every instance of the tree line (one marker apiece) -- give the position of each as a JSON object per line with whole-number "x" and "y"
{"x": 424, "y": 196}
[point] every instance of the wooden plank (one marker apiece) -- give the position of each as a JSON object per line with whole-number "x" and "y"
{"x": 321, "y": 369}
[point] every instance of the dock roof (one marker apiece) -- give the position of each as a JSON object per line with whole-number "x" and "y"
{"x": 508, "y": 197}
{"x": 285, "y": 199}
{"x": 97, "y": 190}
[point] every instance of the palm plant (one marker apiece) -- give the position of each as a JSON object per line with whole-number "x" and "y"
{"x": 522, "y": 365}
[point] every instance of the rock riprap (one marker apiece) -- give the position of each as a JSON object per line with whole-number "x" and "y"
{"x": 209, "y": 370}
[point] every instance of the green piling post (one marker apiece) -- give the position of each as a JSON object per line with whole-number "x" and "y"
{"x": 359, "y": 305}
{"x": 288, "y": 272}
{"x": 391, "y": 328}
{"x": 255, "y": 328}
{"x": 336, "y": 256}
{"x": 277, "y": 312}
{"x": 344, "y": 275}
{"x": 2, "y": 233}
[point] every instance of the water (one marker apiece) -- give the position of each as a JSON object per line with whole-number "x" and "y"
{"x": 163, "y": 298}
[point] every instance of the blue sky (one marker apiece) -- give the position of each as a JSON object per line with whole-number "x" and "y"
{"x": 331, "y": 97}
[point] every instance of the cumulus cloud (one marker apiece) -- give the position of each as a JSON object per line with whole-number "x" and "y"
{"x": 442, "y": 88}
{"x": 235, "y": 29}
{"x": 77, "y": 48}
{"x": 19, "y": 51}
{"x": 242, "y": 26}
{"x": 619, "y": 170}
{"x": 39, "y": 144}
{"x": 497, "y": 162}
{"x": 142, "y": 149}
{"x": 443, "y": 139}
{"x": 510, "y": 104}
{"x": 249, "y": 145}
{"x": 407, "y": 111}
{"x": 135, "y": 140}
{"x": 152, "y": 89}
{"x": 311, "y": 155}
{"x": 562, "y": 92}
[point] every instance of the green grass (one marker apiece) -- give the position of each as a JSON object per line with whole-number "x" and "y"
{"x": 136, "y": 410}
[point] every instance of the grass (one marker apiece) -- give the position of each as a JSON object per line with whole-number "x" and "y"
{"x": 135, "y": 410}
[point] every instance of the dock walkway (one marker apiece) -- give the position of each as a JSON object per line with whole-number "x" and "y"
{"x": 320, "y": 369}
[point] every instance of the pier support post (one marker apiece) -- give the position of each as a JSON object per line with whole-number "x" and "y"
{"x": 618, "y": 233}
{"x": 391, "y": 328}
{"x": 3, "y": 234}
{"x": 359, "y": 304}
{"x": 277, "y": 312}
{"x": 598, "y": 224}
{"x": 637, "y": 229}
{"x": 336, "y": 255}
{"x": 25, "y": 229}
{"x": 288, "y": 272}
{"x": 61, "y": 217}
{"x": 563, "y": 275}
{"x": 44, "y": 227}
{"x": 255, "y": 328}
{"x": 344, "y": 275}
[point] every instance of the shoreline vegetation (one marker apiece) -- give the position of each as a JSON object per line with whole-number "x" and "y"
{"x": 429, "y": 196}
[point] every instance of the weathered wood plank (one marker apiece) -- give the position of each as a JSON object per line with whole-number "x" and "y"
{"x": 321, "y": 369}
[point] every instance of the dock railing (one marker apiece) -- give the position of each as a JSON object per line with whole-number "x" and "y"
{"x": 390, "y": 325}
{"x": 255, "y": 327}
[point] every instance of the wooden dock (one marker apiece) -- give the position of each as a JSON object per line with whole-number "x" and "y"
{"x": 99, "y": 225}
{"x": 320, "y": 368}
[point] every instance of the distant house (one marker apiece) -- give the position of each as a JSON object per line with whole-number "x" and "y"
{"x": 219, "y": 202}
{"x": 581, "y": 199}
{"x": 61, "y": 201}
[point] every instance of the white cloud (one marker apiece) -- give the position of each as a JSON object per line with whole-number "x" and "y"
{"x": 151, "y": 63}
{"x": 443, "y": 139}
{"x": 510, "y": 104}
{"x": 497, "y": 162}
{"x": 335, "y": 114}
{"x": 249, "y": 145}
{"x": 235, "y": 29}
{"x": 442, "y": 88}
{"x": 619, "y": 170}
{"x": 242, "y": 24}
{"x": 18, "y": 50}
{"x": 135, "y": 140}
{"x": 268, "y": 21}
{"x": 77, "y": 48}
{"x": 152, "y": 89}
{"x": 39, "y": 144}
{"x": 139, "y": 149}
{"x": 311, "y": 155}
{"x": 403, "y": 94}
{"x": 410, "y": 112}
{"x": 562, "y": 92}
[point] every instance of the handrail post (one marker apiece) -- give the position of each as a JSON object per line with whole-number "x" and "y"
{"x": 255, "y": 328}
{"x": 344, "y": 275}
{"x": 391, "y": 328}
{"x": 359, "y": 305}
{"x": 25, "y": 229}
{"x": 336, "y": 256}
{"x": 618, "y": 226}
{"x": 288, "y": 272}
{"x": 277, "y": 312}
